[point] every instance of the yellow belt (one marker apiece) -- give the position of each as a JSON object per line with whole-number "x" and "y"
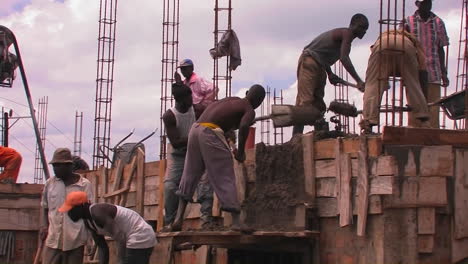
{"x": 209, "y": 125}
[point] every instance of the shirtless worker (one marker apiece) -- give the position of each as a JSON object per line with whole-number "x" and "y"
{"x": 208, "y": 150}
{"x": 317, "y": 58}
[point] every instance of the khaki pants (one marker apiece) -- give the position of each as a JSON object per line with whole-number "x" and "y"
{"x": 393, "y": 63}
{"x": 311, "y": 81}
{"x": 57, "y": 256}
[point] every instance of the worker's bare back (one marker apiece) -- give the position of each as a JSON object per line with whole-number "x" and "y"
{"x": 228, "y": 113}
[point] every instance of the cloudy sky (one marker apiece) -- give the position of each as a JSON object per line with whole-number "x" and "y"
{"x": 58, "y": 42}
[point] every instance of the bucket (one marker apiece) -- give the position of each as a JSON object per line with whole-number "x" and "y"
{"x": 250, "y": 142}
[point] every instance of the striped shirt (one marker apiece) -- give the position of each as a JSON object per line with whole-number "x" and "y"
{"x": 432, "y": 36}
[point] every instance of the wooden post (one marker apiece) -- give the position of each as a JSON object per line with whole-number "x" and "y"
{"x": 362, "y": 188}
{"x": 140, "y": 182}
{"x": 309, "y": 166}
{"x": 346, "y": 210}
{"x": 162, "y": 176}
{"x": 103, "y": 181}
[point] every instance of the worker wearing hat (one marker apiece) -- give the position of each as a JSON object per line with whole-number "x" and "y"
{"x": 134, "y": 238}
{"x": 203, "y": 91}
{"x": 430, "y": 30}
{"x": 64, "y": 238}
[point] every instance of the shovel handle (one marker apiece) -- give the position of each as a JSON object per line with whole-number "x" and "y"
{"x": 260, "y": 118}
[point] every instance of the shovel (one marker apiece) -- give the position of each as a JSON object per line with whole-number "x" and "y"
{"x": 289, "y": 115}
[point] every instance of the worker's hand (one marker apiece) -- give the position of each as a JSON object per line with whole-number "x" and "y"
{"x": 177, "y": 77}
{"x": 361, "y": 86}
{"x": 334, "y": 79}
{"x": 445, "y": 80}
{"x": 43, "y": 231}
{"x": 239, "y": 155}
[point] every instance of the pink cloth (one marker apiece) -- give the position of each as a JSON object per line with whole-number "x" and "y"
{"x": 203, "y": 91}
{"x": 432, "y": 35}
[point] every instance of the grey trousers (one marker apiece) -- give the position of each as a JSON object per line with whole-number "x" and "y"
{"x": 171, "y": 185}
{"x": 57, "y": 256}
{"x": 207, "y": 153}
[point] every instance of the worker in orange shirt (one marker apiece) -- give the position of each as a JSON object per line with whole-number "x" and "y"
{"x": 10, "y": 160}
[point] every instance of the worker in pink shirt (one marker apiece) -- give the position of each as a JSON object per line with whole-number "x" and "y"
{"x": 203, "y": 91}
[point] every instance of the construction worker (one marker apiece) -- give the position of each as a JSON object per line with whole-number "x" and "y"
{"x": 134, "y": 237}
{"x": 207, "y": 150}
{"x": 430, "y": 30}
{"x": 203, "y": 91}
{"x": 386, "y": 60}
{"x": 64, "y": 238}
{"x": 315, "y": 62}
{"x": 10, "y": 160}
{"x": 178, "y": 121}
{"x": 79, "y": 164}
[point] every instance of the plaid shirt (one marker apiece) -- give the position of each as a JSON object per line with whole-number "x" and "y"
{"x": 432, "y": 36}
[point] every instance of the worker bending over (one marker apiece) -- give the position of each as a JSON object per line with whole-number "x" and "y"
{"x": 395, "y": 53}
{"x": 315, "y": 62}
{"x": 10, "y": 160}
{"x": 208, "y": 150}
{"x": 134, "y": 238}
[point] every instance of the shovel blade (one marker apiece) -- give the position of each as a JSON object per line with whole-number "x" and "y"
{"x": 289, "y": 115}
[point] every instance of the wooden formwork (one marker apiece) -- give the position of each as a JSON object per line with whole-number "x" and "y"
{"x": 19, "y": 213}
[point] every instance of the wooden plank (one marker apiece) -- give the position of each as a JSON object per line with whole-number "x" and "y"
{"x": 326, "y": 187}
{"x": 216, "y": 211}
{"x": 338, "y": 164}
{"x": 381, "y": 185}
{"x": 162, "y": 176}
{"x": 459, "y": 250}
{"x": 152, "y": 168}
{"x": 19, "y": 219}
{"x": 362, "y": 188}
{"x": 163, "y": 251}
{"x": 437, "y": 161}
{"x": 309, "y": 166}
{"x": 201, "y": 255}
{"x": 221, "y": 256}
{"x": 327, "y": 207}
{"x": 419, "y": 192}
{"x": 425, "y": 243}
{"x": 300, "y": 217}
{"x": 325, "y": 149}
{"x": 250, "y": 156}
{"x": 424, "y": 136}
{"x": 461, "y": 197}
{"x": 22, "y": 188}
{"x": 140, "y": 181}
{"x": 384, "y": 166}
{"x": 19, "y": 202}
{"x": 241, "y": 180}
{"x": 151, "y": 212}
{"x": 346, "y": 210}
{"x": 426, "y": 221}
{"x": 103, "y": 172}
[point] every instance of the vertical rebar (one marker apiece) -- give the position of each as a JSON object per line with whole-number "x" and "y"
{"x": 169, "y": 58}
{"x": 104, "y": 82}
